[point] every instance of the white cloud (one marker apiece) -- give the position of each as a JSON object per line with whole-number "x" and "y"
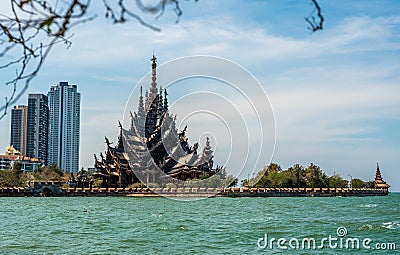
{"x": 323, "y": 87}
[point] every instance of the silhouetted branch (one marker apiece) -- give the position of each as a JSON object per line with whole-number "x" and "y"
{"x": 315, "y": 23}
{"x": 24, "y": 32}
{"x": 27, "y": 35}
{"x": 33, "y": 27}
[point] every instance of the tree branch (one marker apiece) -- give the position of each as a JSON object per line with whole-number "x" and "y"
{"x": 315, "y": 23}
{"x": 28, "y": 34}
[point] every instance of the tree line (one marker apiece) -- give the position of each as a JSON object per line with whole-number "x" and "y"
{"x": 298, "y": 176}
{"x": 15, "y": 177}
{"x": 272, "y": 176}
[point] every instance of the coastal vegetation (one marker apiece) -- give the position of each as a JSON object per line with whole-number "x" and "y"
{"x": 272, "y": 176}
{"x": 205, "y": 181}
{"x": 298, "y": 176}
{"x": 214, "y": 181}
{"x": 15, "y": 177}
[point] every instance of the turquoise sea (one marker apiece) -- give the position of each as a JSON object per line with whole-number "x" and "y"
{"x": 127, "y": 225}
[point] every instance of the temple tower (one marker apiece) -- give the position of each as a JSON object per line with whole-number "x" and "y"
{"x": 141, "y": 113}
{"x": 379, "y": 182}
{"x": 153, "y": 90}
{"x": 152, "y": 103}
{"x": 208, "y": 153}
{"x": 165, "y": 100}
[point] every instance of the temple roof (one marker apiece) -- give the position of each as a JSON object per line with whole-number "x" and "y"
{"x": 10, "y": 150}
{"x": 153, "y": 141}
{"x": 379, "y": 182}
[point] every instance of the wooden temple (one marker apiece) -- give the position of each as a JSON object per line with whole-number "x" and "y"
{"x": 152, "y": 150}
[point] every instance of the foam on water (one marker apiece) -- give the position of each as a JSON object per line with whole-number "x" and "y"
{"x": 369, "y": 205}
{"x": 366, "y": 226}
{"x": 391, "y": 225}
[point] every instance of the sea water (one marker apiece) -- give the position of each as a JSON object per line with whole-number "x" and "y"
{"x": 127, "y": 225}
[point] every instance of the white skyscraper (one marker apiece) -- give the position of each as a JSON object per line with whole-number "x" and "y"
{"x": 64, "y": 106}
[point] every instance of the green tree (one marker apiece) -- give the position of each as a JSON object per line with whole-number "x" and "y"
{"x": 336, "y": 181}
{"x": 263, "y": 178}
{"x": 279, "y": 179}
{"x": 263, "y": 182}
{"x": 273, "y": 167}
{"x": 54, "y": 168}
{"x": 297, "y": 174}
{"x": 17, "y": 168}
{"x": 50, "y": 173}
{"x": 370, "y": 184}
{"x": 203, "y": 176}
{"x": 315, "y": 178}
{"x": 213, "y": 182}
{"x": 195, "y": 183}
{"x": 11, "y": 178}
{"x": 230, "y": 181}
{"x": 357, "y": 184}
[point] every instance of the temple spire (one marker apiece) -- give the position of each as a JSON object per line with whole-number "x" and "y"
{"x": 153, "y": 90}
{"x": 208, "y": 153}
{"x": 378, "y": 172}
{"x": 379, "y": 182}
{"x": 146, "y": 109}
{"x": 165, "y": 100}
{"x": 160, "y": 107}
{"x": 161, "y": 101}
{"x": 120, "y": 144}
{"x": 141, "y": 113}
{"x": 132, "y": 121}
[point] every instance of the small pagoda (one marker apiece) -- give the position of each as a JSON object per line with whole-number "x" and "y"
{"x": 379, "y": 182}
{"x": 152, "y": 150}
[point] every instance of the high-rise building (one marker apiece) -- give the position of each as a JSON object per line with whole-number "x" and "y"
{"x": 19, "y": 115}
{"x": 37, "y": 127}
{"x": 64, "y": 128}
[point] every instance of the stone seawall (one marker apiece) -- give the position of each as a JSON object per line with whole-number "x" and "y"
{"x": 196, "y": 192}
{"x": 15, "y": 192}
{"x": 303, "y": 192}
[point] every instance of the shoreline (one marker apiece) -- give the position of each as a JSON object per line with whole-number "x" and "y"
{"x": 54, "y": 190}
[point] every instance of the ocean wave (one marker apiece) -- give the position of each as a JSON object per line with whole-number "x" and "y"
{"x": 391, "y": 225}
{"x": 366, "y": 227}
{"x": 369, "y": 205}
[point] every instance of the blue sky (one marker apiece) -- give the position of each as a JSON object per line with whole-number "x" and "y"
{"x": 335, "y": 93}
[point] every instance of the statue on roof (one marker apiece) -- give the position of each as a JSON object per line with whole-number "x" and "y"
{"x": 107, "y": 141}
{"x": 182, "y": 134}
{"x": 195, "y": 147}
